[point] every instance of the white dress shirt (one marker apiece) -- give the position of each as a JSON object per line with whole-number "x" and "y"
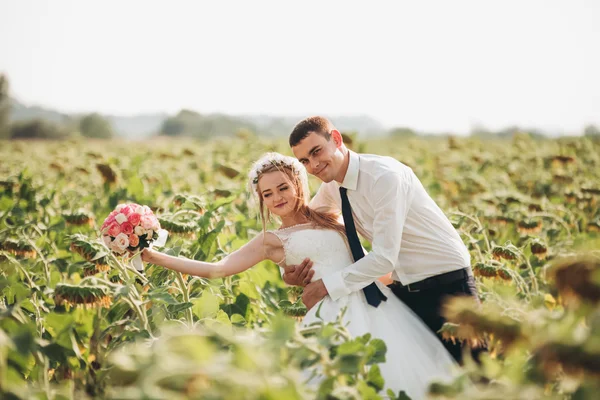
{"x": 410, "y": 235}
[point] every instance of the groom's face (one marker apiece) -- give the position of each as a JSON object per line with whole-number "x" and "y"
{"x": 321, "y": 157}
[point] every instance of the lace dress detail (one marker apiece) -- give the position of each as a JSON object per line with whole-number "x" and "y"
{"x": 325, "y": 247}
{"x": 415, "y": 357}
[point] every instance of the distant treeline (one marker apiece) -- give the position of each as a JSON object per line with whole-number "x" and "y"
{"x": 18, "y": 121}
{"x": 506, "y": 133}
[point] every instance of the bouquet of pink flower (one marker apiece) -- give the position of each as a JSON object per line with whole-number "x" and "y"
{"x": 131, "y": 228}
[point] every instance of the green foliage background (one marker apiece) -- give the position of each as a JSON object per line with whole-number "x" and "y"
{"x": 76, "y": 322}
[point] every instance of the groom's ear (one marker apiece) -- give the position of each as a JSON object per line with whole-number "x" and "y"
{"x": 337, "y": 138}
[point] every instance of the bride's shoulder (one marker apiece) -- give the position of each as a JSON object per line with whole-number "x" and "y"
{"x": 274, "y": 247}
{"x": 271, "y": 239}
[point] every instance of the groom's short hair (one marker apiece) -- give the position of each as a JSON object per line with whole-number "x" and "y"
{"x": 317, "y": 124}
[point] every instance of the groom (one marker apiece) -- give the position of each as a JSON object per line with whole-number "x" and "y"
{"x": 386, "y": 203}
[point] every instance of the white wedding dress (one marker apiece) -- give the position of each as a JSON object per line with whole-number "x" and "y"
{"x": 415, "y": 357}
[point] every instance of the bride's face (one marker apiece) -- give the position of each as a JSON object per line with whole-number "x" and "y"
{"x": 278, "y": 193}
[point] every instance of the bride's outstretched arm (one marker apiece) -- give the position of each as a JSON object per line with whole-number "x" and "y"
{"x": 262, "y": 247}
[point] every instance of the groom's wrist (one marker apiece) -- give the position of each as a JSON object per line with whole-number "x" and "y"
{"x": 324, "y": 291}
{"x": 335, "y": 286}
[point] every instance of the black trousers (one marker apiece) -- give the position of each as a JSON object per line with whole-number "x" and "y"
{"x": 427, "y": 305}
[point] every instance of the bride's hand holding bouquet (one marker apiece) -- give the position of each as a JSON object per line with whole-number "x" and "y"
{"x": 129, "y": 229}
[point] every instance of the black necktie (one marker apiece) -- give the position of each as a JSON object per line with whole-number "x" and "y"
{"x": 372, "y": 293}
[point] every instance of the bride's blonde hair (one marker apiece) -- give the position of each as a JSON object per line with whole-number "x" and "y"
{"x": 297, "y": 176}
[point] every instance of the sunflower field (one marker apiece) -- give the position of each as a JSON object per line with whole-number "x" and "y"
{"x": 77, "y": 322}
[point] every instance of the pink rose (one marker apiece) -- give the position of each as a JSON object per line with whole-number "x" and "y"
{"x": 114, "y": 229}
{"x": 127, "y": 228}
{"x": 109, "y": 220}
{"x": 126, "y": 210}
{"x": 147, "y": 221}
{"x": 134, "y": 240}
{"x": 134, "y": 219}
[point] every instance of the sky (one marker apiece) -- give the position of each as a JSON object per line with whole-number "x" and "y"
{"x": 432, "y": 65}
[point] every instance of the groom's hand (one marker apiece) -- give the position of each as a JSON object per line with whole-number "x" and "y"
{"x": 313, "y": 293}
{"x": 299, "y": 275}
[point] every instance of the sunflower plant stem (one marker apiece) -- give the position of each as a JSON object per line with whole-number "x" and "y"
{"x": 133, "y": 297}
{"x": 95, "y": 339}
{"x": 39, "y": 321}
{"x": 555, "y": 218}
{"x": 569, "y": 213}
{"x": 186, "y": 298}
{"x": 521, "y": 283}
{"x": 534, "y": 283}
{"x": 531, "y": 273}
{"x": 24, "y": 271}
{"x": 136, "y": 300}
{"x": 43, "y": 259}
{"x": 479, "y": 226}
{"x": 91, "y": 377}
{"x": 141, "y": 315}
{"x": 474, "y": 243}
{"x": 123, "y": 269}
{"x": 34, "y": 300}
{"x": 139, "y": 275}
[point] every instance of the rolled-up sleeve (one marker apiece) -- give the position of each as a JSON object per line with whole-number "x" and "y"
{"x": 392, "y": 195}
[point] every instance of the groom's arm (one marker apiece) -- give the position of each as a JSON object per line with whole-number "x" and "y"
{"x": 392, "y": 194}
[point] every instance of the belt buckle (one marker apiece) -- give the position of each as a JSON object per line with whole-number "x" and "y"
{"x": 412, "y": 290}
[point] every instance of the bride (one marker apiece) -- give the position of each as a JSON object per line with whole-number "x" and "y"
{"x": 414, "y": 355}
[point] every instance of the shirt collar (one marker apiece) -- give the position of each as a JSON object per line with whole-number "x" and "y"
{"x": 351, "y": 178}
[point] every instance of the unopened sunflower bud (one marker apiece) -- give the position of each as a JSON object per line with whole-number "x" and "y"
{"x": 509, "y": 252}
{"x": 88, "y": 296}
{"x": 78, "y": 218}
{"x": 529, "y": 226}
{"x": 108, "y": 174}
{"x": 481, "y": 269}
{"x": 18, "y": 248}
{"x": 539, "y": 249}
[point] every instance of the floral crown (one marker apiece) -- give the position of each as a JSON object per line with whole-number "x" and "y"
{"x": 280, "y": 161}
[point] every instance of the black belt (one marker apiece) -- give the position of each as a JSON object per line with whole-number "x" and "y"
{"x": 433, "y": 281}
